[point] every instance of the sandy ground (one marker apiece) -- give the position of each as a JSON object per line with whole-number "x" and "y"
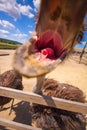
{"x": 70, "y": 72}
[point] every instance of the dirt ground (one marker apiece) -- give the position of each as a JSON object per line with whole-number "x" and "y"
{"x": 70, "y": 72}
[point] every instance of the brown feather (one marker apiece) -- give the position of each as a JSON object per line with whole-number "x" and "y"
{"x": 56, "y": 119}
{"x": 10, "y": 79}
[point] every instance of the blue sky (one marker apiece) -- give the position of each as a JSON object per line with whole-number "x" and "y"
{"x": 17, "y": 19}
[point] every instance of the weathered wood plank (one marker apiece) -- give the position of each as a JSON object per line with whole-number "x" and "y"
{"x": 44, "y": 100}
{"x": 15, "y": 125}
{"x": 4, "y": 54}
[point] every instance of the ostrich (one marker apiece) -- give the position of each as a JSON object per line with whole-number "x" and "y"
{"x": 58, "y": 27}
{"x": 49, "y": 118}
{"x": 10, "y": 79}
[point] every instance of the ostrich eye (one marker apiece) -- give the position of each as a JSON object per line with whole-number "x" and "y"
{"x": 54, "y": 16}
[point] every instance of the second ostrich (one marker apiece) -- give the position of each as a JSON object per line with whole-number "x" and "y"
{"x": 49, "y": 118}
{"x": 10, "y": 79}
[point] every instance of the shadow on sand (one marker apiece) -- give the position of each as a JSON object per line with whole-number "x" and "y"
{"x": 22, "y": 114}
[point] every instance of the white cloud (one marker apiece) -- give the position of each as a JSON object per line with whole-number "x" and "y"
{"x": 14, "y": 9}
{"x": 25, "y": 10}
{"x": 29, "y": 26}
{"x": 4, "y": 32}
{"x": 32, "y": 33}
{"x": 20, "y": 35}
{"x": 6, "y": 24}
{"x": 36, "y": 3}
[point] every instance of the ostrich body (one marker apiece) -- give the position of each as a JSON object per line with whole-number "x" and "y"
{"x": 10, "y": 79}
{"x": 49, "y": 118}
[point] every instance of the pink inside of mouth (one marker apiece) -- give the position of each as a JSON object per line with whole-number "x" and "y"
{"x": 49, "y": 44}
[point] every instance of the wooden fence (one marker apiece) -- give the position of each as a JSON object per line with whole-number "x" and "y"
{"x": 44, "y": 100}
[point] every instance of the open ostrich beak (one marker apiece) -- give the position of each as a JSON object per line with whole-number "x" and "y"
{"x": 49, "y": 44}
{"x": 39, "y": 56}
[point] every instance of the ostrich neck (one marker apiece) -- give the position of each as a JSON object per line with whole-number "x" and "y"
{"x": 39, "y": 83}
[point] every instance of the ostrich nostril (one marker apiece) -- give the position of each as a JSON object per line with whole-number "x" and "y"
{"x": 56, "y": 13}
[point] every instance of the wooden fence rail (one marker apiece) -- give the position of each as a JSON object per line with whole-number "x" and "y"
{"x": 15, "y": 125}
{"x": 44, "y": 100}
{"x": 39, "y": 99}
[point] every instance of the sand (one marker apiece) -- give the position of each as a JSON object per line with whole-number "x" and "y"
{"x": 70, "y": 72}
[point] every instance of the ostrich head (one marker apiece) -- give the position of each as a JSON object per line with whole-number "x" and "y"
{"x": 58, "y": 25}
